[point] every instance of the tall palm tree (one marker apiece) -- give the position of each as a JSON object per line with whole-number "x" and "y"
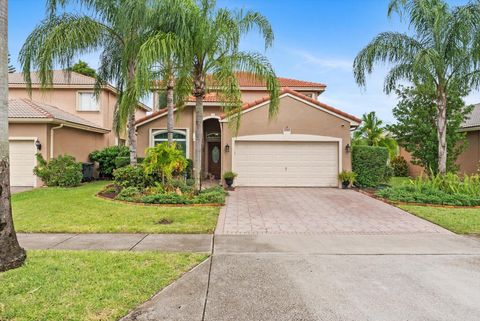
{"x": 116, "y": 28}
{"x": 372, "y": 133}
{"x": 442, "y": 53}
{"x": 207, "y": 47}
{"x": 11, "y": 254}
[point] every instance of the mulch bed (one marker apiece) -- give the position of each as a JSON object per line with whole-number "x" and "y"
{"x": 371, "y": 192}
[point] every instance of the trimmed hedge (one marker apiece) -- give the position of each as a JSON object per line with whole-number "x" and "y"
{"x": 370, "y": 164}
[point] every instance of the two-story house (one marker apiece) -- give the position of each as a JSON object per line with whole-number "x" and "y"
{"x": 64, "y": 119}
{"x": 306, "y": 144}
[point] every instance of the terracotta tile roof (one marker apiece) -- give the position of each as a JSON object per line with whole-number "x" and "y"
{"x": 473, "y": 119}
{"x": 28, "y": 109}
{"x": 301, "y": 96}
{"x": 209, "y": 98}
{"x": 249, "y": 80}
{"x": 60, "y": 77}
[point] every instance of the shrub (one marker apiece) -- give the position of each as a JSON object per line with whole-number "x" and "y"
{"x": 400, "y": 166}
{"x": 106, "y": 158}
{"x": 168, "y": 198}
{"x": 132, "y": 176}
{"x": 131, "y": 194}
{"x": 164, "y": 160}
{"x": 123, "y": 161}
{"x": 229, "y": 175}
{"x": 62, "y": 171}
{"x": 370, "y": 164}
{"x": 189, "y": 169}
{"x": 211, "y": 195}
{"x": 181, "y": 185}
{"x": 347, "y": 177}
{"x": 428, "y": 196}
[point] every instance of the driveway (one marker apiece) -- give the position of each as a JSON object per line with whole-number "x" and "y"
{"x": 324, "y": 254}
{"x": 314, "y": 211}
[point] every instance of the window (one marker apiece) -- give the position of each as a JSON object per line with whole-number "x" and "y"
{"x": 87, "y": 101}
{"x": 179, "y": 136}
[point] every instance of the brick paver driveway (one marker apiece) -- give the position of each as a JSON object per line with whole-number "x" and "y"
{"x": 257, "y": 210}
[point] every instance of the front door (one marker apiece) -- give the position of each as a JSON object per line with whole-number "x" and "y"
{"x": 214, "y": 163}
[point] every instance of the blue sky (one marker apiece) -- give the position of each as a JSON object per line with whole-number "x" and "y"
{"x": 315, "y": 40}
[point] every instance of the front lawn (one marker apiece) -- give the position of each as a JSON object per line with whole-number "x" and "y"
{"x": 458, "y": 220}
{"x": 78, "y": 210}
{"x": 87, "y": 285}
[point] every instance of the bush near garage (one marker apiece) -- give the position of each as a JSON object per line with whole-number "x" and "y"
{"x": 61, "y": 171}
{"x": 370, "y": 164}
{"x": 400, "y": 166}
{"x": 106, "y": 159}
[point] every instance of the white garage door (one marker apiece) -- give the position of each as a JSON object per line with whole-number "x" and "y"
{"x": 22, "y": 162}
{"x": 267, "y": 163}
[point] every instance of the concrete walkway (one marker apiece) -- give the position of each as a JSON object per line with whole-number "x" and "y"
{"x": 118, "y": 242}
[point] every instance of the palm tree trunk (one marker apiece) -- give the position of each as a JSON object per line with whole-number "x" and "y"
{"x": 197, "y": 162}
{"x": 132, "y": 137}
{"x": 442, "y": 131}
{"x": 11, "y": 254}
{"x": 170, "y": 119}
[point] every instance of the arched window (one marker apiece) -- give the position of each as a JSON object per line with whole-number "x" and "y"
{"x": 179, "y": 137}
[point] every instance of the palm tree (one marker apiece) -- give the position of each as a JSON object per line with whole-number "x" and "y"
{"x": 11, "y": 254}
{"x": 211, "y": 47}
{"x": 373, "y": 133}
{"x": 442, "y": 54}
{"x": 117, "y": 28}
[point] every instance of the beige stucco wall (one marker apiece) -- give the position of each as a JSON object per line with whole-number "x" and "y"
{"x": 76, "y": 142}
{"x": 299, "y": 117}
{"x": 249, "y": 96}
{"x": 413, "y": 170}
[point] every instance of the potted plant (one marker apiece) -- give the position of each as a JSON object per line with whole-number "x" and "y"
{"x": 347, "y": 178}
{"x": 229, "y": 177}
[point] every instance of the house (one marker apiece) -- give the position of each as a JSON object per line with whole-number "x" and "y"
{"x": 306, "y": 144}
{"x": 64, "y": 119}
{"x": 468, "y": 161}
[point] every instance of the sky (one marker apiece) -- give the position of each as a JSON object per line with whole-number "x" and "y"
{"x": 315, "y": 40}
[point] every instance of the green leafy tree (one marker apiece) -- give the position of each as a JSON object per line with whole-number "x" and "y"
{"x": 440, "y": 55}
{"x": 117, "y": 29}
{"x": 372, "y": 133}
{"x": 11, "y": 254}
{"x": 415, "y": 127}
{"x": 207, "y": 49}
{"x": 81, "y": 67}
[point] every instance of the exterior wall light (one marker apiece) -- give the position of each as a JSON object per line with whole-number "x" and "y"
{"x": 38, "y": 145}
{"x": 347, "y": 148}
{"x": 227, "y": 148}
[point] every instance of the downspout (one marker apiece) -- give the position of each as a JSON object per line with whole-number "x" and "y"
{"x": 51, "y": 139}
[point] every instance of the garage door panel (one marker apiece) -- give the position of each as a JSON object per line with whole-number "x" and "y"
{"x": 286, "y": 163}
{"x": 22, "y": 162}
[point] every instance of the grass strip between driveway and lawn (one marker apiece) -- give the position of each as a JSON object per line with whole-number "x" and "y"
{"x": 457, "y": 220}
{"x": 87, "y": 285}
{"x": 78, "y": 210}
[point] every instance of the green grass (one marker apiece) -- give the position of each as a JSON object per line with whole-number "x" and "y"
{"x": 399, "y": 181}
{"x": 77, "y": 210}
{"x": 458, "y": 220}
{"x": 87, "y": 285}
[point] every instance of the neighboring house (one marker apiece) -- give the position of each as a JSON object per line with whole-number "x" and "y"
{"x": 306, "y": 144}
{"x": 64, "y": 119}
{"x": 468, "y": 161}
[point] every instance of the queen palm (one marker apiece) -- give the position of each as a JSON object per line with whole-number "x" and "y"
{"x": 116, "y": 28}
{"x": 372, "y": 133}
{"x": 441, "y": 54}
{"x": 11, "y": 254}
{"x": 209, "y": 47}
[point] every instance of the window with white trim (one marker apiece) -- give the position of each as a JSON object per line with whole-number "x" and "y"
{"x": 179, "y": 137}
{"x": 87, "y": 102}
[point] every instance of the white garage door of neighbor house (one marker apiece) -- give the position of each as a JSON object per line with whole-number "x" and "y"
{"x": 22, "y": 162}
{"x": 272, "y": 163}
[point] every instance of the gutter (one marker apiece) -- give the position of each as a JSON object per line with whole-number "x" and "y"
{"x": 51, "y": 138}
